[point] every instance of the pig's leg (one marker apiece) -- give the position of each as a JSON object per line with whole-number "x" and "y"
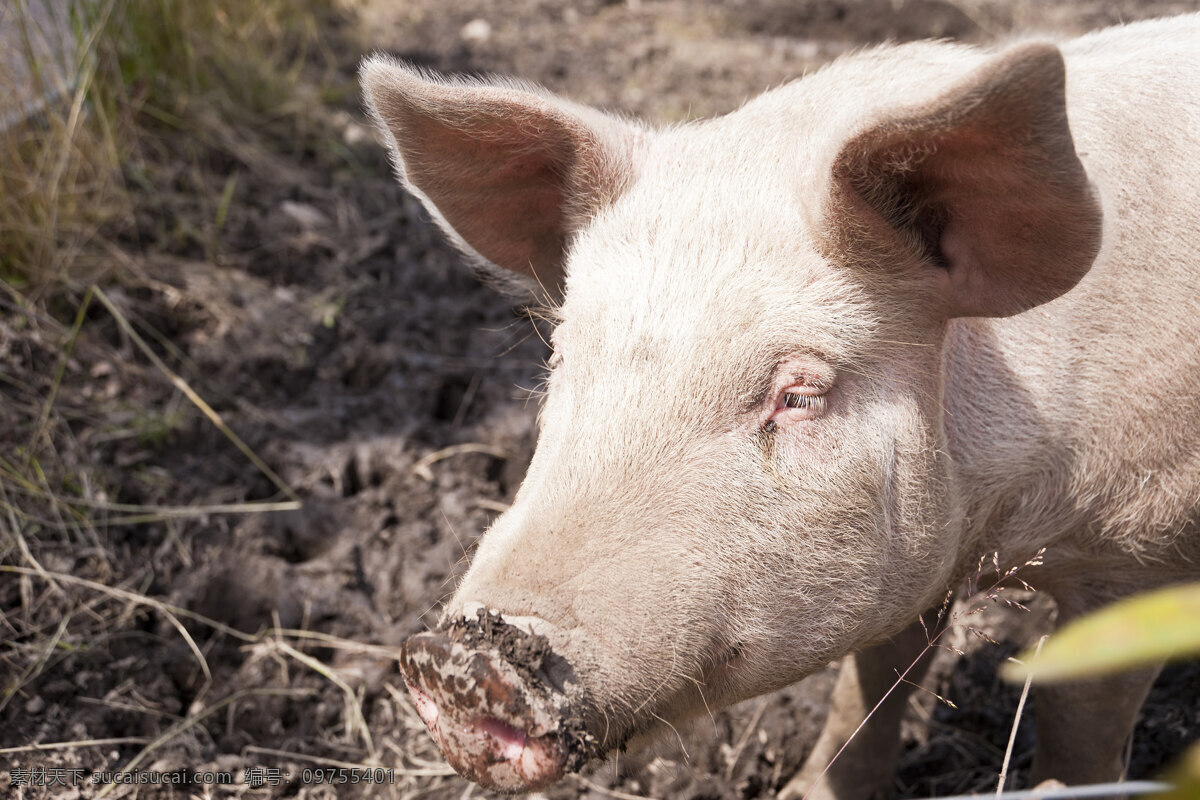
{"x": 865, "y": 768}
{"x": 1083, "y": 727}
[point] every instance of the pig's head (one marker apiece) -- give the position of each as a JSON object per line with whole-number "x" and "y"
{"x": 741, "y": 472}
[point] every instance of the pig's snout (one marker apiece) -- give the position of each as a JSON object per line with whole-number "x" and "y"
{"x": 495, "y": 721}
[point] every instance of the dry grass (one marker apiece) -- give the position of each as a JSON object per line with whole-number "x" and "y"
{"x": 152, "y": 97}
{"x": 133, "y": 149}
{"x": 136, "y": 73}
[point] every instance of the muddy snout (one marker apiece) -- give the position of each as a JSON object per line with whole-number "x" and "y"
{"x": 482, "y": 688}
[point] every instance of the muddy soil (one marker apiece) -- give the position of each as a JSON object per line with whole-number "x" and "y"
{"x": 341, "y": 337}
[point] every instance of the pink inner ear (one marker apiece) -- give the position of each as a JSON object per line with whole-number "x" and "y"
{"x": 500, "y": 183}
{"x": 955, "y": 249}
{"x": 502, "y": 169}
{"x": 983, "y": 181}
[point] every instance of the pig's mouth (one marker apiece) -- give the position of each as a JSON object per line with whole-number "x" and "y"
{"x": 484, "y": 690}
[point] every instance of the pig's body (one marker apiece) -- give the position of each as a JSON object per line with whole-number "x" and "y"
{"x": 816, "y": 357}
{"x": 1076, "y": 425}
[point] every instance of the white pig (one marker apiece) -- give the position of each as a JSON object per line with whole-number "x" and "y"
{"x": 813, "y": 359}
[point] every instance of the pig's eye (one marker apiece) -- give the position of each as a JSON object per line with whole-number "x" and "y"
{"x": 798, "y": 403}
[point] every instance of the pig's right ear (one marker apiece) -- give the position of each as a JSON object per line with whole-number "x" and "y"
{"x": 510, "y": 172}
{"x": 981, "y": 186}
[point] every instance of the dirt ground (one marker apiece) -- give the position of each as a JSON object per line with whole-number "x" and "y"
{"x": 346, "y": 343}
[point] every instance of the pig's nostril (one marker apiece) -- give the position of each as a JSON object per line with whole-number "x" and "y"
{"x": 492, "y": 718}
{"x": 509, "y": 741}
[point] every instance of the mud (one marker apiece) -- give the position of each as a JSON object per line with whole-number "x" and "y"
{"x": 482, "y": 674}
{"x": 488, "y": 630}
{"x": 542, "y": 670}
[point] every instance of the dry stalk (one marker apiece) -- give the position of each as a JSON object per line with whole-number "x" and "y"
{"x": 421, "y": 468}
{"x": 1012, "y": 736}
{"x": 193, "y": 720}
{"x": 183, "y": 386}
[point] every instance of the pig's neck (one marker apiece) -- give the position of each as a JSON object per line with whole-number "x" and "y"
{"x": 1016, "y": 442}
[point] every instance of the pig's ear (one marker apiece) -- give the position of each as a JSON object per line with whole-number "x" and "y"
{"x": 982, "y": 185}
{"x": 509, "y": 171}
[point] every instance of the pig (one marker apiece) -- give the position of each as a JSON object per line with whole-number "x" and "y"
{"x": 811, "y": 361}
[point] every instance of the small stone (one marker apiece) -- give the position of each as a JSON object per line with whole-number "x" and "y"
{"x": 477, "y": 31}
{"x": 306, "y": 216}
{"x": 35, "y": 705}
{"x": 355, "y": 134}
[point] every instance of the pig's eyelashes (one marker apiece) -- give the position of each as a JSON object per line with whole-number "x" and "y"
{"x": 797, "y": 404}
{"x": 805, "y": 401}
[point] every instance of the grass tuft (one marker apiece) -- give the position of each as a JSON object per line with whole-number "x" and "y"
{"x": 127, "y": 77}
{"x": 129, "y": 130}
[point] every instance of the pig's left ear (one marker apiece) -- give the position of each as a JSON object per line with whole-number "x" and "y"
{"x": 509, "y": 171}
{"x": 982, "y": 186}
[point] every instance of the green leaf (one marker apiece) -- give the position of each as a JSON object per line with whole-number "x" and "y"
{"x": 1185, "y": 777}
{"x": 1137, "y": 632}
